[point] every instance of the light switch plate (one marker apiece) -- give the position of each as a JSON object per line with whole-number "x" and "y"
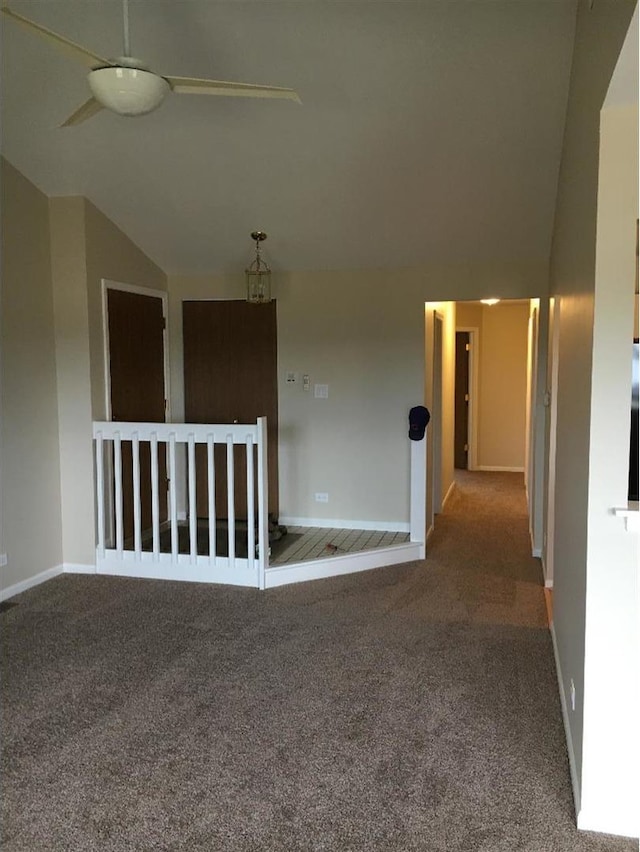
{"x": 321, "y": 391}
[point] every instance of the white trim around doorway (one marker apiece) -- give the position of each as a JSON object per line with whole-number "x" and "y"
{"x": 474, "y": 369}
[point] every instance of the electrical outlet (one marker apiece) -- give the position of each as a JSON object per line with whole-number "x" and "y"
{"x": 572, "y": 695}
{"x": 292, "y": 377}
{"x": 3, "y": 560}
{"x": 321, "y": 497}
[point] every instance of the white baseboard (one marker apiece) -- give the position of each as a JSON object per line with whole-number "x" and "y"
{"x": 30, "y": 582}
{"x": 449, "y": 493}
{"x": 147, "y": 566}
{"x": 535, "y": 551}
{"x": 333, "y": 523}
{"x": 76, "y": 568}
{"x": 548, "y": 580}
{"x": 347, "y": 563}
{"x": 573, "y": 771}
{"x": 499, "y": 469}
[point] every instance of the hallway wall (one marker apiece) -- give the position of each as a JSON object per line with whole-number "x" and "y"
{"x": 612, "y": 675}
{"x": 581, "y": 566}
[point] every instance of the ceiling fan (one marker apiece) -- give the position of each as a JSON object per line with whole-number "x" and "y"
{"x": 127, "y": 87}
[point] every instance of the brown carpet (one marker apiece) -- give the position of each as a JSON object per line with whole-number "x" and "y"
{"x": 408, "y": 708}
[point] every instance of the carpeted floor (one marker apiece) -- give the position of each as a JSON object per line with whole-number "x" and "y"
{"x": 408, "y": 708}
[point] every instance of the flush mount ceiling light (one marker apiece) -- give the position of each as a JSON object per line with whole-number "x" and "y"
{"x": 258, "y": 275}
{"x": 489, "y": 301}
{"x": 128, "y": 90}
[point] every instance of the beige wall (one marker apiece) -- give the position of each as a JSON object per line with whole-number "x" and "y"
{"x": 30, "y": 532}
{"x": 600, "y": 32}
{"x": 502, "y": 381}
{"x": 469, "y": 315}
{"x": 86, "y": 247}
{"x": 68, "y": 266}
{"x": 503, "y": 384}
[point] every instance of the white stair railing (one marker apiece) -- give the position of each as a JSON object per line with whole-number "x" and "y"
{"x": 126, "y": 554}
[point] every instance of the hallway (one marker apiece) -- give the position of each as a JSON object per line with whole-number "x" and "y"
{"x": 407, "y": 709}
{"x": 480, "y": 554}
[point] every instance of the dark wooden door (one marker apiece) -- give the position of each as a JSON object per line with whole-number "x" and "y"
{"x": 230, "y": 374}
{"x": 461, "y": 428}
{"x": 136, "y": 365}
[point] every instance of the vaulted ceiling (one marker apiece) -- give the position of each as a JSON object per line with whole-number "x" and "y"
{"x": 430, "y": 132}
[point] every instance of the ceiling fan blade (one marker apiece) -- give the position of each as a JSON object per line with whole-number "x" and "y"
{"x": 87, "y": 110}
{"x": 195, "y": 86}
{"x": 73, "y": 50}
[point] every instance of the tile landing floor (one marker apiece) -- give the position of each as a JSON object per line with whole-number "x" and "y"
{"x": 318, "y": 543}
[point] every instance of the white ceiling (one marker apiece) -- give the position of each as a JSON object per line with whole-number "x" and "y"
{"x": 429, "y": 131}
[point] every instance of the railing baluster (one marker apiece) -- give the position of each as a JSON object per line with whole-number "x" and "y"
{"x": 117, "y": 464}
{"x": 173, "y": 497}
{"x": 155, "y": 496}
{"x": 193, "y": 509}
{"x": 251, "y": 505}
{"x": 137, "y": 519}
{"x": 231, "y": 510}
{"x": 100, "y": 492}
{"x": 211, "y": 492}
{"x": 263, "y": 503}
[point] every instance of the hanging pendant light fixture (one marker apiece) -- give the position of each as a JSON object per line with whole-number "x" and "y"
{"x": 258, "y": 275}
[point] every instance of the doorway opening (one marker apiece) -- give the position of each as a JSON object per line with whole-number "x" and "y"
{"x": 484, "y": 384}
{"x": 466, "y": 397}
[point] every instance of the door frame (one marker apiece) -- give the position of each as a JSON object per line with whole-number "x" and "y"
{"x": 436, "y": 411}
{"x": 472, "y": 410}
{"x": 551, "y": 407}
{"x": 107, "y": 284}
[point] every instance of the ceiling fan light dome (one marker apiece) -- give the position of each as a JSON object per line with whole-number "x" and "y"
{"x": 128, "y": 91}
